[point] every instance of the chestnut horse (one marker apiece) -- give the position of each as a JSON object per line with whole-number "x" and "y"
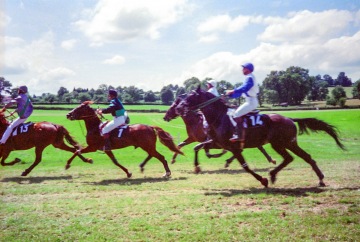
{"x": 137, "y": 135}
{"x": 38, "y": 135}
{"x": 279, "y": 131}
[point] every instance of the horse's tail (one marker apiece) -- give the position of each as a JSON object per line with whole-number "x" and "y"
{"x": 167, "y": 140}
{"x": 64, "y": 133}
{"x": 316, "y": 125}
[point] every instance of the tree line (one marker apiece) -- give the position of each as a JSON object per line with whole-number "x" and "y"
{"x": 291, "y": 86}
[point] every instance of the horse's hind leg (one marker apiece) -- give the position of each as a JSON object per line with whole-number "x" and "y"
{"x": 65, "y": 147}
{"x": 113, "y": 159}
{"x": 38, "y": 156}
{"x": 287, "y": 159}
{"x": 161, "y": 158}
{"x": 144, "y": 163}
{"x": 4, "y": 156}
{"x": 307, "y": 157}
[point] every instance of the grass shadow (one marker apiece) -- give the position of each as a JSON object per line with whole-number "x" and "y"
{"x": 34, "y": 180}
{"x": 231, "y": 171}
{"x": 293, "y": 192}
{"x": 138, "y": 181}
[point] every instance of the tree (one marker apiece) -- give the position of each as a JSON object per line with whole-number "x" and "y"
{"x": 356, "y": 89}
{"x": 167, "y": 96}
{"x": 329, "y": 80}
{"x": 343, "y": 80}
{"x": 180, "y": 91}
{"x": 84, "y": 97}
{"x": 338, "y": 97}
{"x": 133, "y": 93}
{"x": 5, "y": 87}
{"x": 291, "y": 85}
{"x": 149, "y": 97}
{"x": 191, "y": 84}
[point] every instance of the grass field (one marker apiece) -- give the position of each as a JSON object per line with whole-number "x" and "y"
{"x": 98, "y": 203}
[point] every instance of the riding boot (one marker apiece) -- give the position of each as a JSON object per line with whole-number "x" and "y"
{"x": 107, "y": 143}
{"x": 239, "y": 134}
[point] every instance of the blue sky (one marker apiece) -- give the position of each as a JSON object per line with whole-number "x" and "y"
{"x": 48, "y": 44}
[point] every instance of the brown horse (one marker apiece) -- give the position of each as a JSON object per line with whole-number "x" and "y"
{"x": 275, "y": 129}
{"x": 38, "y": 135}
{"x": 197, "y": 133}
{"x": 137, "y": 135}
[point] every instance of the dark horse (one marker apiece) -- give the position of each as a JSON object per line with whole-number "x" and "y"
{"x": 197, "y": 133}
{"x": 138, "y": 135}
{"x": 277, "y": 130}
{"x": 38, "y": 135}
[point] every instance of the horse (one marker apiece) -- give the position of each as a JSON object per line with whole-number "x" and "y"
{"x": 279, "y": 131}
{"x": 197, "y": 133}
{"x": 38, "y": 135}
{"x": 137, "y": 135}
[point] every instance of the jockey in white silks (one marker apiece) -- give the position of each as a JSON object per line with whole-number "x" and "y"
{"x": 211, "y": 86}
{"x": 249, "y": 91}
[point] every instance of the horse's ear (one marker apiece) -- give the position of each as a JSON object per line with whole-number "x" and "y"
{"x": 198, "y": 89}
{"x": 87, "y": 102}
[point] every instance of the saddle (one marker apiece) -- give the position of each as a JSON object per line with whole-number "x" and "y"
{"x": 22, "y": 128}
{"x": 251, "y": 120}
{"x": 118, "y": 130}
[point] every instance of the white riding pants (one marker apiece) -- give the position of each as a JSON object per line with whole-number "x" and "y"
{"x": 250, "y": 104}
{"x": 10, "y": 128}
{"x": 117, "y": 121}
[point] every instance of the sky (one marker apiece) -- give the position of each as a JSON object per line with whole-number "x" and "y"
{"x": 48, "y": 44}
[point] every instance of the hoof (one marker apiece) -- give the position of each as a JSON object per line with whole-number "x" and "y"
{"x": 273, "y": 161}
{"x": 167, "y": 175}
{"x": 67, "y": 167}
{"x": 173, "y": 161}
{"x": 264, "y": 182}
{"x": 197, "y": 169}
{"x": 322, "y": 184}
{"x": 24, "y": 173}
{"x": 273, "y": 177}
{"x": 142, "y": 169}
{"x": 227, "y": 165}
{"x": 90, "y": 161}
{"x": 17, "y": 160}
{"x": 129, "y": 175}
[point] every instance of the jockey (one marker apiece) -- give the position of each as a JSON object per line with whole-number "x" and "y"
{"x": 211, "y": 85}
{"x": 117, "y": 110}
{"x": 24, "y": 110}
{"x": 249, "y": 91}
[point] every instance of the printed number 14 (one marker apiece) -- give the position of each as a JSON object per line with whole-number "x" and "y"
{"x": 255, "y": 120}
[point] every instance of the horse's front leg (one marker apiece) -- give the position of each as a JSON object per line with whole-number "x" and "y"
{"x": 196, "y": 160}
{"x": 185, "y": 142}
{"x": 87, "y": 149}
{"x": 238, "y": 155}
{"x": 4, "y": 156}
{"x": 113, "y": 159}
{"x": 38, "y": 156}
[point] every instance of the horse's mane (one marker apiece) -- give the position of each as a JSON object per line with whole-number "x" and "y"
{"x": 87, "y": 103}
{"x": 3, "y": 120}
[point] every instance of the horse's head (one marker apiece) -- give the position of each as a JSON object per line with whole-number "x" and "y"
{"x": 3, "y": 120}
{"x": 191, "y": 102}
{"x": 82, "y": 112}
{"x": 171, "y": 112}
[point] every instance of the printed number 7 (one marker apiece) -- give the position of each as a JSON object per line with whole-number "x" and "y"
{"x": 120, "y": 132}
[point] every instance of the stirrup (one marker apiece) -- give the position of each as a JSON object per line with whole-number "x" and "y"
{"x": 236, "y": 138}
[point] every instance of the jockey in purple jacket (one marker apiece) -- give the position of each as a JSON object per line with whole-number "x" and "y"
{"x": 249, "y": 91}
{"x": 24, "y": 110}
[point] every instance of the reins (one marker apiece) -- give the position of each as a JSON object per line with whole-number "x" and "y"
{"x": 204, "y": 104}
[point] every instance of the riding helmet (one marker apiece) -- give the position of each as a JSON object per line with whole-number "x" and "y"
{"x": 24, "y": 89}
{"x": 113, "y": 92}
{"x": 248, "y": 66}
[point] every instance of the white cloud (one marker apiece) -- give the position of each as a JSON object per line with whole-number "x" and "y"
{"x": 56, "y": 74}
{"x": 116, "y": 60}
{"x": 306, "y": 26}
{"x": 69, "y": 44}
{"x": 210, "y": 28}
{"x": 122, "y": 20}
